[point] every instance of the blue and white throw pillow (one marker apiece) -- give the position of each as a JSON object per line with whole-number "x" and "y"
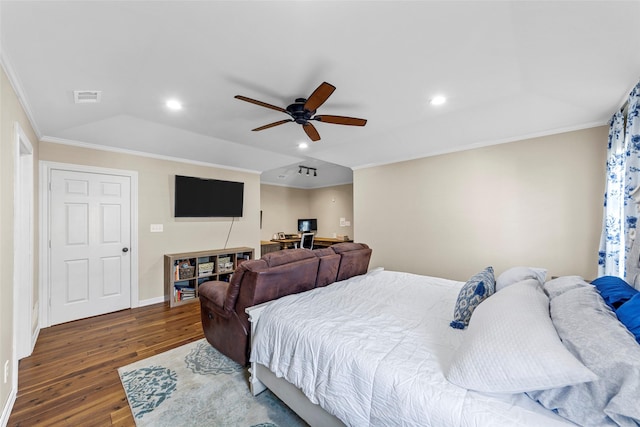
{"x": 478, "y": 288}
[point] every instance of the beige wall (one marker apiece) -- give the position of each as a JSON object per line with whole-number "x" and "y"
{"x": 535, "y": 202}
{"x": 10, "y": 113}
{"x": 282, "y": 206}
{"x": 155, "y": 206}
{"x": 329, "y": 205}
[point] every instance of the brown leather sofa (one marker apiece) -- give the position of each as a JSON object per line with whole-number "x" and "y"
{"x": 276, "y": 274}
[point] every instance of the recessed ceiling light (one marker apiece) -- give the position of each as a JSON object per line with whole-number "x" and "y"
{"x": 437, "y": 100}
{"x": 173, "y": 104}
{"x": 303, "y": 145}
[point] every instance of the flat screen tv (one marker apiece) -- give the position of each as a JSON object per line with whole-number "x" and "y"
{"x": 307, "y": 225}
{"x": 202, "y": 197}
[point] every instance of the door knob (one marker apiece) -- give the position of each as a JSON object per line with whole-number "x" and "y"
{"x": 125, "y": 249}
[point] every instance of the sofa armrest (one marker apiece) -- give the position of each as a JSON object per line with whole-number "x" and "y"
{"x": 214, "y": 292}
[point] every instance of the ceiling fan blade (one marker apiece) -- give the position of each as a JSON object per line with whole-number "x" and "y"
{"x": 319, "y": 96}
{"x": 341, "y": 120}
{"x": 311, "y": 131}
{"x": 260, "y": 103}
{"x": 270, "y": 125}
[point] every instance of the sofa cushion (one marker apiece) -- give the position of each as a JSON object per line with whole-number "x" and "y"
{"x": 354, "y": 259}
{"x": 275, "y": 282}
{"x": 328, "y": 268}
{"x": 286, "y": 256}
{"x": 347, "y": 246}
{"x": 322, "y": 252}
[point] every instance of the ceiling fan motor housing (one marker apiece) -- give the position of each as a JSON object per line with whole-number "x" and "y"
{"x": 303, "y": 110}
{"x": 298, "y": 112}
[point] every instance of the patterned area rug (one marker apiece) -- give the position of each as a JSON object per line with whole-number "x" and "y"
{"x": 195, "y": 385}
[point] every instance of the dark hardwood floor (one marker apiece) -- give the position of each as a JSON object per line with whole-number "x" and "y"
{"x": 71, "y": 378}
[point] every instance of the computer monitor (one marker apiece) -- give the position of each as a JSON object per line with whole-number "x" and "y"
{"x": 307, "y": 225}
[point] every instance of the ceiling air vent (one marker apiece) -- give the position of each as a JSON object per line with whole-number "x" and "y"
{"x": 87, "y": 96}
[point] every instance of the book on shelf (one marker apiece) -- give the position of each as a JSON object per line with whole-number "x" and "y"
{"x": 181, "y": 296}
{"x": 183, "y": 291}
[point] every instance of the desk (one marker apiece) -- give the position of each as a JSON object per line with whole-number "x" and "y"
{"x": 318, "y": 242}
{"x": 267, "y": 246}
{"x": 287, "y": 243}
{"x": 327, "y": 241}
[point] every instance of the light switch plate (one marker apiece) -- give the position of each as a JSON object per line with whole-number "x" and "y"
{"x": 156, "y": 228}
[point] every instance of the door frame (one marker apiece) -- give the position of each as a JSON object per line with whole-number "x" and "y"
{"x": 24, "y": 335}
{"x": 45, "y": 172}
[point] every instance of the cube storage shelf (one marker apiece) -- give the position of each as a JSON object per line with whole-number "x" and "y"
{"x": 185, "y": 272}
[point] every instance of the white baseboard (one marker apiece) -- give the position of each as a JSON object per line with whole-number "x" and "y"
{"x": 6, "y": 411}
{"x": 151, "y": 301}
{"x": 34, "y": 339}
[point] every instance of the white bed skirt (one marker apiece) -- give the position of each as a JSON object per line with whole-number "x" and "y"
{"x": 262, "y": 378}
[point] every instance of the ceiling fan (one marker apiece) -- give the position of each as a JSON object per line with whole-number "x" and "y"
{"x": 302, "y": 111}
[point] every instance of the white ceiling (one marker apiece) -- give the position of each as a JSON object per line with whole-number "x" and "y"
{"x": 509, "y": 69}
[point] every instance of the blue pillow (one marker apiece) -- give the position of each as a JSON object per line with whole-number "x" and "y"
{"x": 477, "y": 289}
{"x": 614, "y": 290}
{"x": 629, "y": 314}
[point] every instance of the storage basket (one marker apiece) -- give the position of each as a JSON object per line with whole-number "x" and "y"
{"x": 205, "y": 268}
{"x": 186, "y": 272}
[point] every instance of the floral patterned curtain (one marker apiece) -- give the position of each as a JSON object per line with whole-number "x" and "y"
{"x": 623, "y": 177}
{"x": 612, "y": 240}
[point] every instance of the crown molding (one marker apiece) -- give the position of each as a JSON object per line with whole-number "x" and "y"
{"x": 87, "y": 145}
{"x": 17, "y": 88}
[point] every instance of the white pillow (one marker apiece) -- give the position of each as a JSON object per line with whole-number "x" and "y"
{"x": 511, "y": 346}
{"x": 518, "y": 274}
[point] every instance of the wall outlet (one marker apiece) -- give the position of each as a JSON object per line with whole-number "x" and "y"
{"x": 6, "y": 371}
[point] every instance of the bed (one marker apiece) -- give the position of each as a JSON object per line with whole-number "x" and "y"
{"x": 379, "y": 349}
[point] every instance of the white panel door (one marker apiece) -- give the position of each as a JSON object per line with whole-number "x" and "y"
{"x": 90, "y": 234}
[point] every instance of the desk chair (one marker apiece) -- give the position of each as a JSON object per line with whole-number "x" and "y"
{"x": 306, "y": 241}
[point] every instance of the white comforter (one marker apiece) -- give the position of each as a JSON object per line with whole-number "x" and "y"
{"x": 372, "y": 350}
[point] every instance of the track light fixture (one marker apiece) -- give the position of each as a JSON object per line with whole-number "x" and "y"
{"x": 308, "y": 169}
